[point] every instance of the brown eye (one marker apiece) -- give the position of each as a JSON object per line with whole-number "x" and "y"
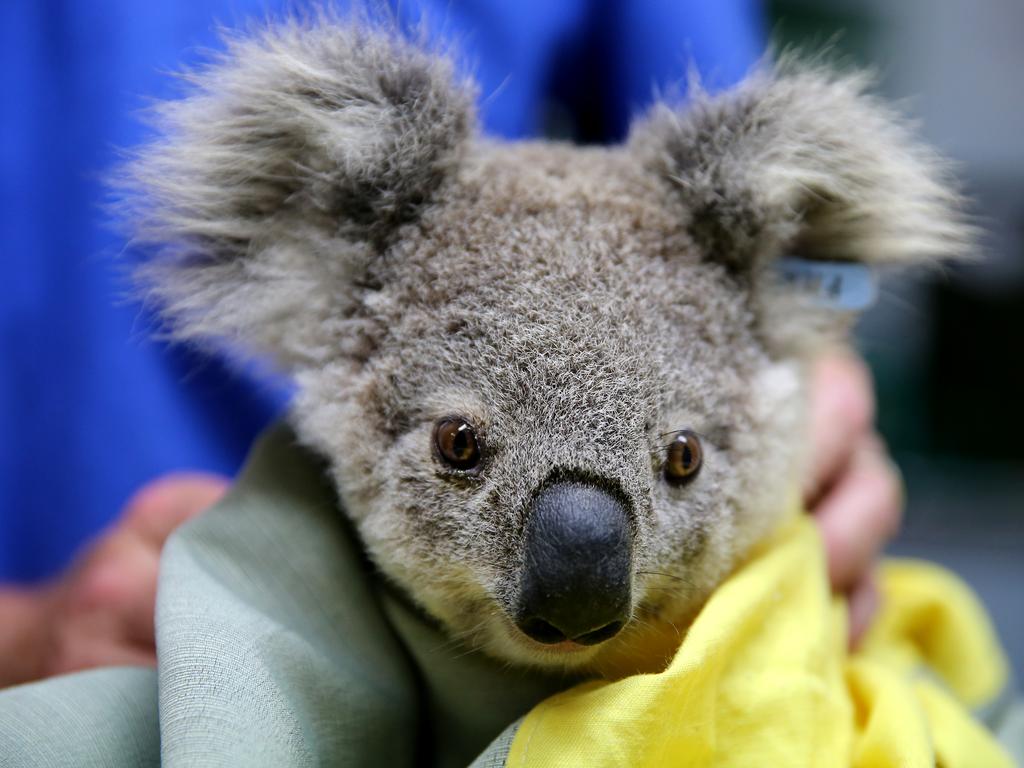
{"x": 682, "y": 463}
{"x": 457, "y": 443}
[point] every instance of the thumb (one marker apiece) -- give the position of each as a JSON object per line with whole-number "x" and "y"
{"x": 167, "y": 502}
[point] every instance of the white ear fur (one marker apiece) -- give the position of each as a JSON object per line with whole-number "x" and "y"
{"x": 291, "y": 161}
{"x": 800, "y": 160}
{"x": 804, "y": 159}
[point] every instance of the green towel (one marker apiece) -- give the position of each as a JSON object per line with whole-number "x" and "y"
{"x": 277, "y": 646}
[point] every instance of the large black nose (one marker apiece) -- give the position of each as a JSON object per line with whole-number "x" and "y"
{"x": 577, "y": 571}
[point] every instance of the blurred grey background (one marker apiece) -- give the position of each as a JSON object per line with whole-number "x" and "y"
{"x": 946, "y": 348}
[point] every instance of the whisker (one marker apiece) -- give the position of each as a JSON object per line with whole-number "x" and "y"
{"x": 675, "y": 591}
{"x": 662, "y": 574}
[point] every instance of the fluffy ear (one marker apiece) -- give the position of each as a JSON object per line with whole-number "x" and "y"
{"x": 289, "y": 164}
{"x": 802, "y": 161}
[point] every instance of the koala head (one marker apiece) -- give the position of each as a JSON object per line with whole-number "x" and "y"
{"x": 559, "y": 388}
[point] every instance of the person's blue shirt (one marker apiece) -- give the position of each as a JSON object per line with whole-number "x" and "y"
{"x": 91, "y": 406}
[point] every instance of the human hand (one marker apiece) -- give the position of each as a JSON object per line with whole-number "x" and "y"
{"x": 854, "y": 490}
{"x": 100, "y": 611}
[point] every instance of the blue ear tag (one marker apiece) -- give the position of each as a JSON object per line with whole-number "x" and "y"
{"x": 840, "y": 285}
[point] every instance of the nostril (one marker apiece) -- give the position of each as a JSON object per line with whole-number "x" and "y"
{"x": 607, "y": 632}
{"x": 547, "y": 633}
{"x": 542, "y": 631}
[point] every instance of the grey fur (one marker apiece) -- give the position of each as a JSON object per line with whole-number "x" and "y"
{"x": 322, "y": 196}
{"x": 295, "y": 156}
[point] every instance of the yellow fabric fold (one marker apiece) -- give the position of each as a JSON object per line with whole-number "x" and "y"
{"x": 763, "y": 678}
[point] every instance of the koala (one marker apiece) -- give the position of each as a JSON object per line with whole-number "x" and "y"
{"x": 559, "y": 389}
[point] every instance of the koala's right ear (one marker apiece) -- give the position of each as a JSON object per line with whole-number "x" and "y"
{"x": 802, "y": 161}
{"x": 284, "y": 171}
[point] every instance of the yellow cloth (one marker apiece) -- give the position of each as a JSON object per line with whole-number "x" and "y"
{"x": 763, "y": 678}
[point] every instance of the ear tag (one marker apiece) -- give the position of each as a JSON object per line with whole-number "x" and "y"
{"x": 844, "y": 286}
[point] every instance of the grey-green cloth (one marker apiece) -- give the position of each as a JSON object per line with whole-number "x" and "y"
{"x": 277, "y": 646}
{"x": 104, "y": 717}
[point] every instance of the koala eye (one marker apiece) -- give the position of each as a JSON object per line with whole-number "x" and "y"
{"x": 684, "y": 457}
{"x": 457, "y": 443}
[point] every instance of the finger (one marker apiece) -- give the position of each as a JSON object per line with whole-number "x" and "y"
{"x": 863, "y": 602}
{"x": 85, "y": 652}
{"x": 129, "y": 587}
{"x": 860, "y": 514}
{"x": 88, "y": 626}
{"x": 23, "y": 633}
{"x": 114, "y": 594}
{"x": 164, "y": 504}
{"x": 842, "y": 410}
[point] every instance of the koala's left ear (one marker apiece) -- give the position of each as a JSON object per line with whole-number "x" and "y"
{"x": 287, "y": 167}
{"x": 802, "y": 162}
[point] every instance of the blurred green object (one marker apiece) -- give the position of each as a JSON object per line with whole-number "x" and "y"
{"x": 814, "y": 26}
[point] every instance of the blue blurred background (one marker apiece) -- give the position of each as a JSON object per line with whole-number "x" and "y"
{"x": 92, "y": 406}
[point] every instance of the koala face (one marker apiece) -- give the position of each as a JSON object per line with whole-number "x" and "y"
{"x": 558, "y": 388}
{"x": 552, "y": 305}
